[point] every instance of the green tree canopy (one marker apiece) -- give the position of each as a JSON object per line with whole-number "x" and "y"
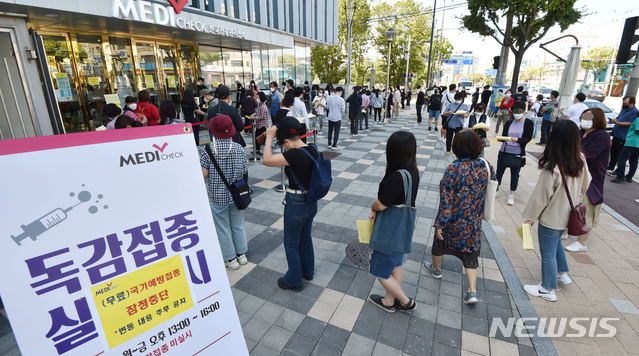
{"x": 527, "y": 21}
{"x": 327, "y": 64}
{"x": 604, "y": 54}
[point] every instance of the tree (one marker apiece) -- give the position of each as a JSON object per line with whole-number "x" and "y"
{"x": 446, "y": 50}
{"x": 533, "y": 73}
{"x": 327, "y": 64}
{"x": 534, "y": 18}
{"x": 603, "y": 53}
{"x": 406, "y": 17}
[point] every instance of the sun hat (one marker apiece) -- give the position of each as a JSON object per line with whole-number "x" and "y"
{"x": 221, "y": 126}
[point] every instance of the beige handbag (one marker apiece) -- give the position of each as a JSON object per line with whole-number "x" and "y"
{"x": 489, "y": 196}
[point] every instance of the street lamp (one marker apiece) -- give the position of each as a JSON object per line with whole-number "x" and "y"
{"x": 390, "y": 34}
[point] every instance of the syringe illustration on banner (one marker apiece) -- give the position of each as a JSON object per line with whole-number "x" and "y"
{"x": 54, "y": 217}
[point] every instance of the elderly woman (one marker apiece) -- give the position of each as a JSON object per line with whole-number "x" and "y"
{"x": 595, "y": 146}
{"x": 461, "y": 209}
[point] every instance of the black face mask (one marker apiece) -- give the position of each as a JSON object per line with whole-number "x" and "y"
{"x": 625, "y": 107}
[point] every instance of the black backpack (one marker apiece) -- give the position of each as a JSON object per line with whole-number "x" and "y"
{"x": 321, "y": 179}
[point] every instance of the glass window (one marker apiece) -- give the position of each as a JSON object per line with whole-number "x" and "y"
{"x": 307, "y": 64}
{"x": 190, "y": 77}
{"x": 122, "y": 68}
{"x": 300, "y": 60}
{"x": 145, "y": 68}
{"x": 171, "y": 80}
{"x": 211, "y": 66}
{"x": 92, "y": 72}
{"x": 288, "y": 64}
{"x": 246, "y": 67}
{"x": 64, "y": 82}
{"x": 275, "y": 67}
{"x": 257, "y": 69}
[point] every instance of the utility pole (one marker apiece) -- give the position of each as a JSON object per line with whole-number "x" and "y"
{"x": 633, "y": 84}
{"x": 350, "y": 41}
{"x": 505, "y": 50}
{"x": 430, "y": 50}
{"x": 441, "y": 39}
{"x": 407, "y": 62}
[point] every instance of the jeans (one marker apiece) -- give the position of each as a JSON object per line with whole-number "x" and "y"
{"x": 354, "y": 117}
{"x": 333, "y": 126}
{"x": 229, "y": 224}
{"x": 615, "y": 149}
{"x": 545, "y": 130}
{"x": 419, "y": 112}
{"x": 363, "y": 118}
{"x": 630, "y": 155}
{"x": 514, "y": 172}
{"x": 319, "y": 119}
{"x": 377, "y": 113}
{"x": 450, "y": 135}
{"x": 298, "y": 245}
{"x": 553, "y": 257}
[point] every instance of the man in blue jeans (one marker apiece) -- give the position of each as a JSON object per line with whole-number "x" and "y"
{"x": 626, "y": 117}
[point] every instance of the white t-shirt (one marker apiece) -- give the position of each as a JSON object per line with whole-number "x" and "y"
{"x": 575, "y": 112}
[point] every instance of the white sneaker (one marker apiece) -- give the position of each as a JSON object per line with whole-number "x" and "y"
{"x": 637, "y": 201}
{"x": 232, "y": 264}
{"x": 563, "y": 278}
{"x": 564, "y": 237}
{"x": 242, "y": 260}
{"x": 539, "y": 291}
{"x": 511, "y": 200}
{"x": 576, "y": 247}
{"x": 611, "y": 173}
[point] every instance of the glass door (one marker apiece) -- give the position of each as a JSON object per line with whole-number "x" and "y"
{"x": 146, "y": 70}
{"x": 93, "y": 79}
{"x": 170, "y": 74}
{"x": 57, "y": 49}
{"x": 121, "y": 62}
{"x": 188, "y": 69}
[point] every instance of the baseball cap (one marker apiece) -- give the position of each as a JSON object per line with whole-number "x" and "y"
{"x": 204, "y": 92}
{"x": 289, "y": 126}
{"x": 221, "y": 126}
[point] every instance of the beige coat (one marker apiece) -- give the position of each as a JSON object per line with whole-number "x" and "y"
{"x": 549, "y": 203}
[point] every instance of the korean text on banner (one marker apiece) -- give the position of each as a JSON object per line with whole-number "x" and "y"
{"x": 98, "y": 267}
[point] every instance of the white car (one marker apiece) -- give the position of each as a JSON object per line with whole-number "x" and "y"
{"x": 610, "y": 113}
{"x": 543, "y": 91}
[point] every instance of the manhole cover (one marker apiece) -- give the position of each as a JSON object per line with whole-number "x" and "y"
{"x": 360, "y": 254}
{"x": 330, "y": 154}
{"x": 377, "y": 130}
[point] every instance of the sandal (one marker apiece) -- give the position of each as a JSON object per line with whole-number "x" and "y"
{"x": 376, "y": 299}
{"x": 407, "y": 308}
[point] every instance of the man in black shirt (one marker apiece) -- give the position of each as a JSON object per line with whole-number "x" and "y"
{"x": 485, "y": 95}
{"x": 307, "y": 96}
{"x": 475, "y": 99}
{"x": 224, "y": 94}
{"x": 520, "y": 95}
{"x": 354, "y": 110}
{"x": 419, "y": 103}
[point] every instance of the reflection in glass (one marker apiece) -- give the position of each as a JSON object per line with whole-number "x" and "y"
{"x": 300, "y": 63}
{"x": 59, "y": 62}
{"x": 94, "y": 80}
{"x": 122, "y": 68}
{"x": 190, "y": 79}
{"x": 274, "y": 66}
{"x": 211, "y": 66}
{"x": 146, "y": 71}
{"x": 288, "y": 64}
{"x": 171, "y": 78}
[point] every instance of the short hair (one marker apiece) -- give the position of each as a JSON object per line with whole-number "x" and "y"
{"x": 130, "y": 99}
{"x": 631, "y": 99}
{"x": 122, "y": 121}
{"x": 525, "y": 92}
{"x": 291, "y": 83}
{"x": 144, "y": 96}
{"x": 288, "y": 99}
{"x": 249, "y": 93}
{"x": 339, "y": 89}
{"x": 486, "y": 87}
{"x": 467, "y": 144}
{"x": 599, "y": 121}
{"x": 519, "y": 104}
{"x": 540, "y": 97}
{"x": 306, "y": 82}
{"x": 223, "y": 92}
{"x": 581, "y": 97}
{"x": 262, "y": 96}
{"x": 520, "y": 88}
{"x": 452, "y": 87}
{"x": 298, "y": 91}
{"x": 200, "y": 78}
{"x": 273, "y": 84}
{"x": 459, "y": 95}
{"x": 554, "y": 93}
{"x": 481, "y": 107}
{"x": 500, "y": 91}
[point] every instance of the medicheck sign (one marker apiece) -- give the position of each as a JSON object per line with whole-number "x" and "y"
{"x": 108, "y": 247}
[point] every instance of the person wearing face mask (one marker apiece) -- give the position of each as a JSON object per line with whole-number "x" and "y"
{"x": 536, "y": 113}
{"x": 261, "y": 117}
{"x": 319, "y": 106}
{"x": 254, "y": 88}
{"x": 298, "y": 213}
{"x": 503, "y": 114}
{"x": 455, "y": 121}
{"x": 200, "y": 86}
{"x": 276, "y": 100}
{"x": 479, "y": 116}
{"x": 130, "y": 104}
{"x": 629, "y": 154}
{"x": 595, "y": 146}
{"x": 626, "y": 117}
{"x": 512, "y": 153}
{"x": 190, "y": 109}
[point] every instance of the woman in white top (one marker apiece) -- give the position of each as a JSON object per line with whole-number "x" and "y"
{"x": 549, "y": 203}
{"x": 319, "y": 104}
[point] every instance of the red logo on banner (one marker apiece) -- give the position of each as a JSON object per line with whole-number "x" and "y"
{"x": 161, "y": 149}
{"x": 178, "y": 5}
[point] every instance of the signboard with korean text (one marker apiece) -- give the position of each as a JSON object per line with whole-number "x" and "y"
{"x": 103, "y": 257}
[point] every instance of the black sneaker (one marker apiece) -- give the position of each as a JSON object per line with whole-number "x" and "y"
{"x": 540, "y": 143}
{"x": 619, "y": 180}
{"x": 430, "y": 128}
{"x": 376, "y": 299}
{"x": 280, "y": 283}
{"x": 629, "y": 180}
{"x": 436, "y": 129}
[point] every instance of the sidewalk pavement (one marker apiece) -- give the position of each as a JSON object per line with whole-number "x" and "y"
{"x": 606, "y": 277}
{"x": 331, "y": 316}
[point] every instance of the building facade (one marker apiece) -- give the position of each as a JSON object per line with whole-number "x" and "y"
{"x": 63, "y": 61}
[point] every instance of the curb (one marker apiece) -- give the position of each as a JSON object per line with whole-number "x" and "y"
{"x": 542, "y": 345}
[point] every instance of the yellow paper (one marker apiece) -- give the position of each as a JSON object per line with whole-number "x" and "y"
{"x": 365, "y": 230}
{"x": 310, "y": 116}
{"x": 481, "y": 125}
{"x": 136, "y": 302}
{"x": 215, "y": 84}
{"x": 94, "y": 80}
{"x": 61, "y": 75}
{"x": 148, "y": 78}
{"x": 300, "y": 119}
{"x": 460, "y": 112}
{"x": 363, "y": 110}
{"x": 112, "y": 99}
{"x": 504, "y": 138}
{"x": 171, "y": 80}
{"x": 525, "y": 233}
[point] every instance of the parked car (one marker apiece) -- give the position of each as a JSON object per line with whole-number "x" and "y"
{"x": 543, "y": 91}
{"x": 610, "y": 113}
{"x": 595, "y": 95}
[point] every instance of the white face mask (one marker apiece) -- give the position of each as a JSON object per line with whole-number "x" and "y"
{"x": 586, "y": 124}
{"x": 458, "y": 102}
{"x": 272, "y": 90}
{"x": 206, "y": 100}
{"x": 133, "y": 106}
{"x": 479, "y": 114}
{"x": 320, "y": 94}
{"x": 507, "y": 94}
{"x": 518, "y": 116}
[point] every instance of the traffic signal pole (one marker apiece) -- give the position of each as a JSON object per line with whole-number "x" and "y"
{"x": 633, "y": 84}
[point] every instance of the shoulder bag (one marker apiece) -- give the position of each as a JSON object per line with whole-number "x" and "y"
{"x": 489, "y": 195}
{"x": 394, "y": 226}
{"x": 577, "y": 222}
{"x": 239, "y": 189}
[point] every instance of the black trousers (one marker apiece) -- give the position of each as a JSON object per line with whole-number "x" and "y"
{"x": 545, "y": 130}
{"x": 333, "y": 129}
{"x": 450, "y": 135}
{"x": 615, "y": 150}
{"x": 419, "y": 112}
{"x": 354, "y": 117}
{"x": 378, "y": 112}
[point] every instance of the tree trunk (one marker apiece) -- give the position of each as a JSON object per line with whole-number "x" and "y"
{"x": 519, "y": 56}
